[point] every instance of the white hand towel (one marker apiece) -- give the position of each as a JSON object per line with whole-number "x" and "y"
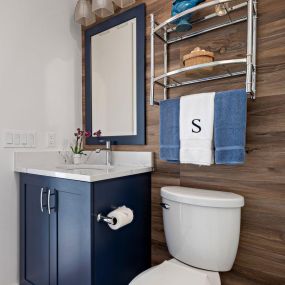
{"x": 197, "y": 128}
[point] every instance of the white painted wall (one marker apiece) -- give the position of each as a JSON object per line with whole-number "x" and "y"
{"x": 40, "y": 90}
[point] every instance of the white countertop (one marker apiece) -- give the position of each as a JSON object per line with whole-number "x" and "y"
{"x": 51, "y": 164}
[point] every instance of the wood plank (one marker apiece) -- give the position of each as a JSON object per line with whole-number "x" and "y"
{"x": 261, "y": 255}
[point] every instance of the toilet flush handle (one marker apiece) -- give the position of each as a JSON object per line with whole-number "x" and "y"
{"x": 165, "y": 206}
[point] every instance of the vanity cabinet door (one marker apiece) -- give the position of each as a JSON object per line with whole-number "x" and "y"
{"x": 34, "y": 235}
{"x": 70, "y": 232}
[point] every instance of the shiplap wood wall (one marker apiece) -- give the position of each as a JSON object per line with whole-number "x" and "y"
{"x": 261, "y": 254}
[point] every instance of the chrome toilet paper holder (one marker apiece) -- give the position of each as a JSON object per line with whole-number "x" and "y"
{"x": 108, "y": 220}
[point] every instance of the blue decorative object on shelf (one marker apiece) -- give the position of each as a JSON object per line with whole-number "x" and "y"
{"x": 178, "y": 6}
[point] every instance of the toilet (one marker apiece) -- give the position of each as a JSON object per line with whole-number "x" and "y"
{"x": 202, "y": 229}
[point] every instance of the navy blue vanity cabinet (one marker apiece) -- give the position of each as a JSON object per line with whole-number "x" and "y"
{"x": 63, "y": 244}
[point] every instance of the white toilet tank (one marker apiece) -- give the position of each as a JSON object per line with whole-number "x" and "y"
{"x": 202, "y": 227}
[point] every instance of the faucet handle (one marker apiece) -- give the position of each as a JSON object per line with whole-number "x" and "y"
{"x": 108, "y": 144}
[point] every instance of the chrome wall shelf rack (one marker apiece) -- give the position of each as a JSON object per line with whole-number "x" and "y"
{"x": 166, "y": 32}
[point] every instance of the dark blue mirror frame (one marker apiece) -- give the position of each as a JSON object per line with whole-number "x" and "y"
{"x": 137, "y": 12}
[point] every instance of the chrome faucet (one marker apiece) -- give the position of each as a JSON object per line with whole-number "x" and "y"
{"x": 108, "y": 149}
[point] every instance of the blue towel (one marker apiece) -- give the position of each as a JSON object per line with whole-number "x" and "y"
{"x": 169, "y": 130}
{"x": 230, "y": 127}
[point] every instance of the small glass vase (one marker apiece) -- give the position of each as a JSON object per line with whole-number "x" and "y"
{"x": 77, "y": 158}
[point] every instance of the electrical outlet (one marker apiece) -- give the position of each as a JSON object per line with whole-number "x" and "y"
{"x": 51, "y": 139}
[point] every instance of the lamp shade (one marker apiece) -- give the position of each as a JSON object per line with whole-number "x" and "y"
{"x": 124, "y": 3}
{"x": 83, "y": 13}
{"x": 103, "y": 8}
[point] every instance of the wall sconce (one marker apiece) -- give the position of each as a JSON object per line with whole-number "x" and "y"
{"x": 124, "y": 3}
{"x": 103, "y": 8}
{"x": 83, "y": 13}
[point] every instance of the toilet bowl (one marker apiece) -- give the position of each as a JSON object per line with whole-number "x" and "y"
{"x": 202, "y": 229}
{"x": 173, "y": 272}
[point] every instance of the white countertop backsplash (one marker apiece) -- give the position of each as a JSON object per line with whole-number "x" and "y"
{"x": 51, "y": 163}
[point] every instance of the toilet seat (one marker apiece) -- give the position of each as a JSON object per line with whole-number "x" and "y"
{"x": 173, "y": 272}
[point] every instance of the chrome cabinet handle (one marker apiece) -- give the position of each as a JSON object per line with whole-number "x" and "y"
{"x": 165, "y": 206}
{"x": 41, "y": 199}
{"x": 48, "y": 201}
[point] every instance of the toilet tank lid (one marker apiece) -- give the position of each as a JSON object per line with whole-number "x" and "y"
{"x": 201, "y": 197}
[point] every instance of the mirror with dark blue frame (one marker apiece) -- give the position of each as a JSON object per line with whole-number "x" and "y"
{"x": 115, "y": 79}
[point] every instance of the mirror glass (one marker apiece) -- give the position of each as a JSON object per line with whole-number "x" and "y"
{"x": 113, "y": 55}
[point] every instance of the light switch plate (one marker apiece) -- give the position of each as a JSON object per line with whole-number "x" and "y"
{"x": 18, "y": 139}
{"x": 31, "y": 140}
{"x": 8, "y": 138}
{"x": 23, "y": 139}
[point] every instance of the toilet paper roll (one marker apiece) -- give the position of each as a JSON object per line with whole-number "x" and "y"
{"x": 122, "y": 216}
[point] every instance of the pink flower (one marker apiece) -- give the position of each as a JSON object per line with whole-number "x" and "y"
{"x": 98, "y": 133}
{"x": 87, "y": 134}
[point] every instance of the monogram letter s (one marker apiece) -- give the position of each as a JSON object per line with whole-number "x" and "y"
{"x": 197, "y": 127}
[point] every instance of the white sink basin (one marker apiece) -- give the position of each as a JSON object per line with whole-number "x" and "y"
{"x": 84, "y": 167}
